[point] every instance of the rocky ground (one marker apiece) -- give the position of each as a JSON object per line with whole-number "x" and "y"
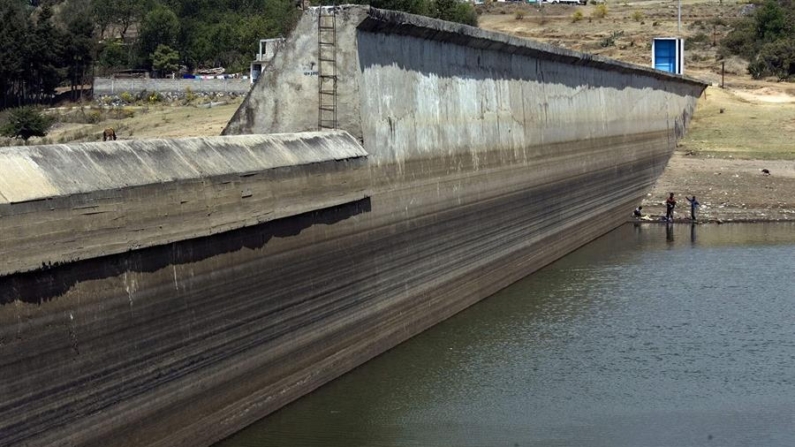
{"x": 728, "y": 190}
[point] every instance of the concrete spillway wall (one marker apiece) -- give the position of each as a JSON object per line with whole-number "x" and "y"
{"x": 107, "y": 198}
{"x": 170, "y": 292}
{"x": 411, "y": 86}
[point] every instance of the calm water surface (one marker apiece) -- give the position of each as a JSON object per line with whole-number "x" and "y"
{"x": 646, "y": 337}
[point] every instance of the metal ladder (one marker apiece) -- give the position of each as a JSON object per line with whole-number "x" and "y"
{"x": 327, "y": 68}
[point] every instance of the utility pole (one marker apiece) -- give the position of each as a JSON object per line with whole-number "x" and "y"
{"x": 679, "y": 19}
{"x": 722, "y": 73}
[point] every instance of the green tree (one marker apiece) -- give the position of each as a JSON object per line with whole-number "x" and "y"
{"x": 103, "y": 13}
{"x": 78, "y": 51}
{"x": 765, "y": 40}
{"x": 741, "y": 40}
{"x": 165, "y": 60}
{"x": 771, "y": 23}
{"x": 282, "y": 15}
{"x": 118, "y": 14}
{"x": 456, "y": 11}
{"x": 774, "y": 58}
{"x": 44, "y": 57}
{"x": 159, "y": 27}
{"x": 113, "y": 55}
{"x": 193, "y": 43}
{"x": 14, "y": 36}
{"x": 26, "y": 122}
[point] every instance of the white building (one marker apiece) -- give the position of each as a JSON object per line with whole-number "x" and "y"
{"x": 267, "y": 49}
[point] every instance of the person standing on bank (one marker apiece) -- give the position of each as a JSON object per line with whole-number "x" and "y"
{"x": 670, "y": 204}
{"x": 693, "y": 204}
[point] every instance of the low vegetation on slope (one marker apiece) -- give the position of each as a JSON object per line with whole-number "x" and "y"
{"x": 767, "y": 39}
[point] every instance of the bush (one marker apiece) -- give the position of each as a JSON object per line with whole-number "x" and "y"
{"x": 127, "y": 97}
{"x": 741, "y": 40}
{"x": 600, "y": 12}
{"x": 699, "y": 40}
{"x": 576, "y": 17}
{"x": 774, "y": 59}
{"x": 155, "y": 97}
{"x": 519, "y": 14}
{"x": 455, "y": 11}
{"x": 637, "y": 16}
{"x": 93, "y": 117}
{"x": 189, "y": 95}
{"x": 610, "y": 41}
{"x": 26, "y": 122}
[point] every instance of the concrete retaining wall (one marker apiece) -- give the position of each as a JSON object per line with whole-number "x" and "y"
{"x": 61, "y": 203}
{"x": 487, "y": 157}
{"x": 117, "y": 86}
{"x": 413, "y": 85}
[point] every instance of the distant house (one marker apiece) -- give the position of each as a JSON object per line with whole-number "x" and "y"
{"x": 267, "y": 49}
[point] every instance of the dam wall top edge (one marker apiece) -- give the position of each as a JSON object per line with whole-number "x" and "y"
{"x": 396, "y": 22}
{"x": 32, "y": 173}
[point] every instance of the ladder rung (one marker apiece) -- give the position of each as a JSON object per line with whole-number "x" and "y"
{"x": 327, "y": 54}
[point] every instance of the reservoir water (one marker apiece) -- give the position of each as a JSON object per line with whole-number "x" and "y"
{"x": 649, "y": 336}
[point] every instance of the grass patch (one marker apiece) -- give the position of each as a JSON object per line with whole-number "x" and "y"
{"x": 745, "y": 129}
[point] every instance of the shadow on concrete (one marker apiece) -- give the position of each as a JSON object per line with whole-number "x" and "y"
{"x": 53, "y": 281}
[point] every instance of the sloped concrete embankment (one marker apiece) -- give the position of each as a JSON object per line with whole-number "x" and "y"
{"x": 116, "y": 261}
{"x": 487, "y": 157}
{"x": 490, "y": 156}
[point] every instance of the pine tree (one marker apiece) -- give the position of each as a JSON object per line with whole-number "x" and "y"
{"x": 13, "y": 39}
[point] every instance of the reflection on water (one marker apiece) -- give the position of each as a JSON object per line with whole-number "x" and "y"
{"x": 654, "y": 335}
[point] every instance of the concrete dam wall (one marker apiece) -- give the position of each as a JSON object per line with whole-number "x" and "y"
{"x": 170, "y": 292}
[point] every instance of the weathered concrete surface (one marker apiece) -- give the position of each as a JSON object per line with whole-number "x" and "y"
{"x": 289, "y": 93}
{"x": 488, "y": 157}
{"x": 61, "y": 203}
{"x": 474, "y": 87}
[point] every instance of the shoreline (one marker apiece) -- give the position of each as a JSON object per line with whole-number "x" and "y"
{"x": 729, "y": 190}
{"x": 708, "y": 222}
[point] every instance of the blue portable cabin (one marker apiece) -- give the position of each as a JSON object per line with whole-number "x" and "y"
{"x": 668, "y": 54}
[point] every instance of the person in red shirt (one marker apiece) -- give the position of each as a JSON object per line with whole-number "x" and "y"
{"x": 669, "y": 208}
